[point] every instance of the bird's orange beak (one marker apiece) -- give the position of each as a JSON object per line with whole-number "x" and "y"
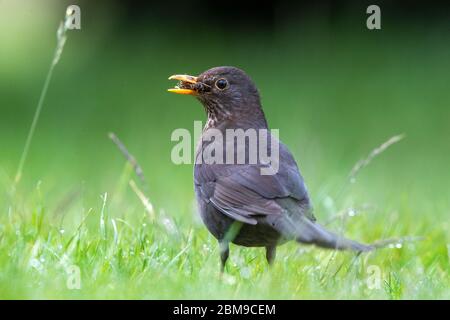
{"x": 185, "y": 85}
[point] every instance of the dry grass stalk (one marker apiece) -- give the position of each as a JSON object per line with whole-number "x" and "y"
{"x": 61, "y": 36}
{"x": 375, "y": 152}
{"x": 130, "y": 158}
{"x": 145, "y": 201}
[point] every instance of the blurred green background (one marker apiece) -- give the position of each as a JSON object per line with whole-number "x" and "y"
{"x": 333, "y": 88}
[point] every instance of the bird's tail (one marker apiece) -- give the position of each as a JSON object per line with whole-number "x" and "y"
{"x": 304, "y": 230}
{"x": 321, "y": 237}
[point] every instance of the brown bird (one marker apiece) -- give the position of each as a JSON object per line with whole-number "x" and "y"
{"x": 236, "y": 201}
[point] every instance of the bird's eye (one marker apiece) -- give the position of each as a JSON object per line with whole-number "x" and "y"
{"x": 221, "y": 84}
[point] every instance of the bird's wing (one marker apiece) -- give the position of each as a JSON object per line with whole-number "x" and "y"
{"x": 239, "y": 202}
{"x": 242, "y": 192}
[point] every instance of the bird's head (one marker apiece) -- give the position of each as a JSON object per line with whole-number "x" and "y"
{"x": 225, "y": 92}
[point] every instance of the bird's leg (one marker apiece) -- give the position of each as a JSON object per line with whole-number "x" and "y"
{"x": 224, "y": 253}
{"x": 271, "y": 253}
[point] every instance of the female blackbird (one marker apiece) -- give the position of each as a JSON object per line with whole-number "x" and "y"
{"x": 236, "y": 201}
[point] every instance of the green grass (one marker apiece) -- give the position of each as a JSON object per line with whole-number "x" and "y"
{"x": 333, "y": 98}
{"x": 177, "y": 258}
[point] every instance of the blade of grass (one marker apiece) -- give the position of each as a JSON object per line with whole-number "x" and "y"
{"x": 130, "y": 158}
{"x": 103, "y": 230}
{"x": 145, "y": 201}
{"x": 61, "y": 36}
{"x": 361, "y": 164}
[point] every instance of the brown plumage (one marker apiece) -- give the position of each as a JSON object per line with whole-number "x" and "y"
{"x": 236, "y": 202}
